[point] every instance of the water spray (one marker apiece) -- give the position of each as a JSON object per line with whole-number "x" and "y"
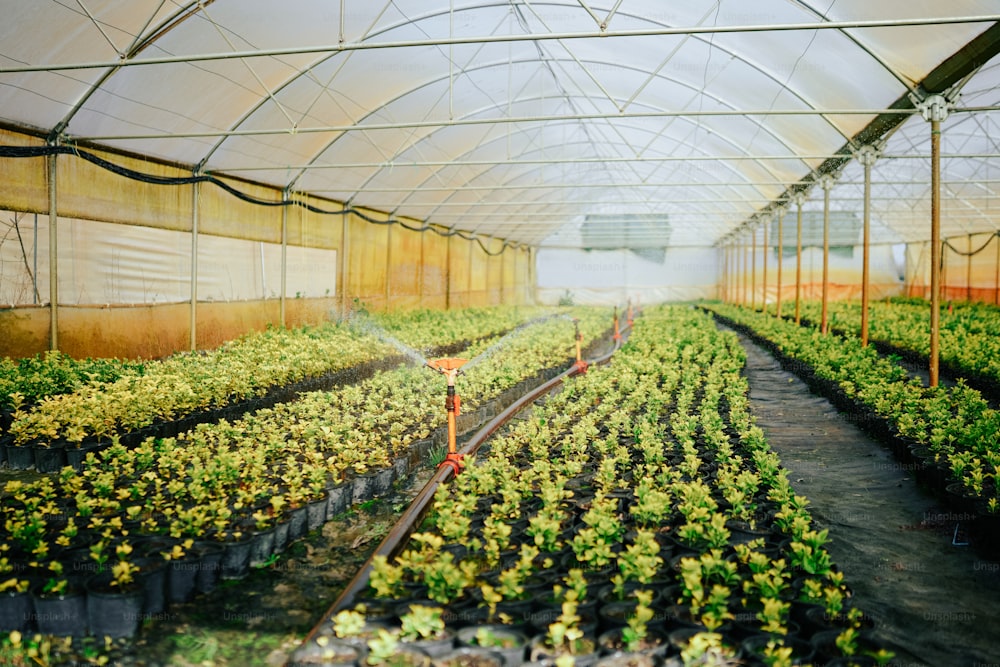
{"x": 580, "y": 364}
{"x": 450, "y": 369}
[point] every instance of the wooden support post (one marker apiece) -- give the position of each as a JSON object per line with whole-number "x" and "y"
{"x": 753, "y": 270}
{"x": 781, "y": 242}
{"x": 743, "y": 269}
{"x": 763, "y": 281}
{"x": 800, "y": 199}
{"x": 826, "y": 181}
{"x": 935, "y": 109}
{"x": 724, "y": 282}
{"x": 867, "y": 156}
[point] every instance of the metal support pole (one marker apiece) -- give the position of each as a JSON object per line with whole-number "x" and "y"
{"x": 284, "y": 261}
{"x": 753, "y": 271}
{"x": 195, "y": 206}
{"x": 53, "y": 257}
{"x": 826, "y": 182}
{"x": 996, "y": 271}
{"x": 781, "y": 241}
{"x": 866, "y": 155}
{"x": 935, "y": 109}
{"x": 728, "y": 259}
{"x": 735, "y": 267}
{"x": 743, "y": 269}
{"x": 935, "y": 253}
{"x": 724, "y": 283}
{"x": 343, "y": 260}
{"x": 968, "y": 273}
{"x": 763, "y": 281}
{"x": 388, "y": 267}
{"x": 800, "y": 200}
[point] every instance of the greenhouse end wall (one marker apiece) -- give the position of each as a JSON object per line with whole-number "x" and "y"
{"x": 124, "y": 253}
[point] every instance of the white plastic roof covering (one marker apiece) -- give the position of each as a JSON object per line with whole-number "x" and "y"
{"x": 517, "y": 119}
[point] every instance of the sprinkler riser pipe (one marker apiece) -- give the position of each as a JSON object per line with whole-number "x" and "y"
{"x": 449, "y": 404}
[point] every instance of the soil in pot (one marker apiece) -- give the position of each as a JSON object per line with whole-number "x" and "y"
{"x": 656, "y": 642}
{"x": 584, "y": 651}
{"x": 507, "y": 642}
{"x": 469, "y": 656}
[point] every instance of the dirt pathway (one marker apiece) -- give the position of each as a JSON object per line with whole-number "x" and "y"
{"x": 935, "y": 601}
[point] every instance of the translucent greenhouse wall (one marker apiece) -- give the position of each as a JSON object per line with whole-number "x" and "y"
{"x": 970, "y": 268}
{"x": 746, "y": 279}
{"x": 689, "y": 274}
{"x": 615, "y": 276}
{"x": 124, "y": 261}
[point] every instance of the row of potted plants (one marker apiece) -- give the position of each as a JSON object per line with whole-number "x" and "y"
{"x": 949, "y": 431}
{"x": 234, "y": 492}
{"x": 53, "y": 373}
{"x": 180, "y": 388}
{"x": 969, "y": 333}
{"x": 639, "y": 511}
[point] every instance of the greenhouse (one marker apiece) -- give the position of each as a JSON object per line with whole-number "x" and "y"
{"x": 487, "y": 334}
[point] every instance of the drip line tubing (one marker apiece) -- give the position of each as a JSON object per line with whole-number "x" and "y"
{"x": 63, "y": 149}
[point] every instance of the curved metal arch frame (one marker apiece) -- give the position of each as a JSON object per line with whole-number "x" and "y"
{"x": 196, "y": 6}
{"x": 291, "y": 183}
{"x": 140, "y": 43}
{"x": 693, "y": 147}
{"x": 727, "y": 139}
{"x": 678, "y": 82}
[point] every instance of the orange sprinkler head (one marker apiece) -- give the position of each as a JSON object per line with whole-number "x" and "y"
{"x": 448, "y": 364}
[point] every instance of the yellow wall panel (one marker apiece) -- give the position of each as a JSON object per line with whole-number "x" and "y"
{"x": 494, "y": 273}
{"x": 510, "y": 272}
{"x": 300, "y": 312}
{"x": 459, "y": 273}
{"x": 404, "y": 267}
{"x": 25, "y": 331}
{"x": 434, "y": 274}
{"x": 24, "y": 186}
{"x": 383, "y": 266}
{"x": 224, "y": 214}
{"x": 367, "y": 251}
{"x": 478, "y": 275}
{"x": 92, "y": 193}
{"x": 316, "y": 230}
